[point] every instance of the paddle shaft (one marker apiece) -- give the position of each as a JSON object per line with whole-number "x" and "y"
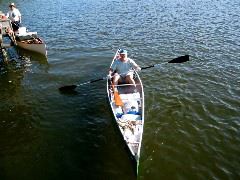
{"x": 92, "y": 81}
{"x": 147, "y": 67}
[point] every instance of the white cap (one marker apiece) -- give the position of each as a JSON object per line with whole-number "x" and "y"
{"x": 12, "y": 4}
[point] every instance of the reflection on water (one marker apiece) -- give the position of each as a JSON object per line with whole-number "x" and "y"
{"x": 33, "y": 56}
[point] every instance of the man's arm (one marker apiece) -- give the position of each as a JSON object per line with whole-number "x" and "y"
{"x": 135, "y": 66}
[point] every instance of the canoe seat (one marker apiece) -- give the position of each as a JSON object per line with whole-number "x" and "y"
{"x": 123, "y": 84}
{"x": 133, "y": 143}
{"x": 130, "y": 117}
{"x": 130, "y": 97}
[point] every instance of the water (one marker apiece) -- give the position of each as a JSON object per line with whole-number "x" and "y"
{"x": 192, "y": 115}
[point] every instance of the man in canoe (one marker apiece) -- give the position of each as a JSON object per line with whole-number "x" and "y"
{"x": 15, "y": 16}
{"x": 121, "y": 69}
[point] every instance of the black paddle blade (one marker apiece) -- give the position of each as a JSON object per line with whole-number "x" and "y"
{"x": 180, "y": 59}
{"x": 67, "y": 88}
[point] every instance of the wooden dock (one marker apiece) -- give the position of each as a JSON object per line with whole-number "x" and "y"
{"x": 6, "y": 32}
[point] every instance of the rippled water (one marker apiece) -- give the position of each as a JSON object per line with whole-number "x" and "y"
{"x": 192, "y": 109}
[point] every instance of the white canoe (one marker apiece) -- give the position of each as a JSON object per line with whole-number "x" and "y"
{"x": 39, "y": 48}
{"x": 129, "y": 117}
{"x": 36, "y": 45}
{"x": 30, "y": 41}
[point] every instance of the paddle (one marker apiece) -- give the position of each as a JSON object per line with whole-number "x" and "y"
{"x": 180, "y": 59}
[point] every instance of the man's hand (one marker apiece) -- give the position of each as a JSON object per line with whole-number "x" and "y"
{"x": 138, "y": 69}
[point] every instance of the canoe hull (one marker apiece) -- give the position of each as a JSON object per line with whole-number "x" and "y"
{"x": 39, "y": 48}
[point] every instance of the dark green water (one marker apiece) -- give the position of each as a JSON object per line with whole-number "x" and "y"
{"x": 192, "y": 117}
